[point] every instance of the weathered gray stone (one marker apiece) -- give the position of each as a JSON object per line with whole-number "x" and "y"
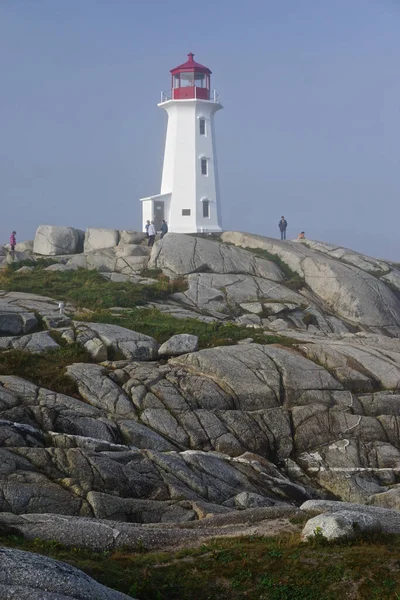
{"x": 96, "y": 349}
{"x": 181, "y": 254}
{"x": 348, "y": 291}
{"x": 51, "y": 240}
{"x": 34, "y": 342}
{"x": 278, "y": 325}
{"x": 251, "y": 500}
{"x": 16, "y": 323}
{"x": 61, "y": 267}
{"x": 179, "y": 344}
{"x": 99, "y": 390}
{"x": 124, "y": 249}
{"x": 274, "y": 308}
{"x": 131, "y": 237}
{"x": 225, "y": 293}
{"x": 98, "y": 239}
{"x": 25, "y": 269}
{"x": 252, "y": 307}
{"x": 26, "y": 576}
{"x": 25, "y": 247}
{"x": 130, "y": 344}
{"x": 359, "y": 367}
{"x": 366, "y": 263}
{"x": 55, "y": 321}
{"x": 342, "y": 525}
{"x": 389, "y": 519}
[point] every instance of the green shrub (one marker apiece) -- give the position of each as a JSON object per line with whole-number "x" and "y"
{"x": 162, "y": 326}
{"x": 46, "y": 369}
{"x": 40, "y": 263}
{"x": 255, "y": 568}
{"x": 88, "y": 289}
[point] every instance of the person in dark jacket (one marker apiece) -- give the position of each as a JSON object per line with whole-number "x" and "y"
{"x": 164, "y": 228}
{"x": 283, "y": 226}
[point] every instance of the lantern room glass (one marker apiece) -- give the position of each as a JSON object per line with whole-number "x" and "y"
{"x": 199, "y": 80}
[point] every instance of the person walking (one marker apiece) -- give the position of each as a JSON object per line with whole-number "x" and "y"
{"x": 164, "y": 228}
{"x": 13, "y": 243}
{"x": 146, "y": 228}
{"x": 283, "y": 226}
{"x": 152, "y": 234}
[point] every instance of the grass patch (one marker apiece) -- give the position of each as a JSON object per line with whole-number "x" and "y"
{"x": 152, "y": 273}
{"x": 29, "y": 262}
{"x": 87, "y": 288}
{"x": 256, "y": 568}
{"x": 46, "y": 369}
{"x": 162, "y": 326}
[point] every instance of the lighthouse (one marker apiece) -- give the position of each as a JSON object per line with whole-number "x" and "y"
{"x": 189, "y": 197}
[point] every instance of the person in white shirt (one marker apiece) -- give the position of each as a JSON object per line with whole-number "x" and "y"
{"x": 152, "y": 234}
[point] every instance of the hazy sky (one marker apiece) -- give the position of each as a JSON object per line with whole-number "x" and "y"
{"x": 310, "y": 127}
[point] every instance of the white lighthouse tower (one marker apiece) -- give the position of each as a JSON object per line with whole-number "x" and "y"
{"x": 189, "y": 198}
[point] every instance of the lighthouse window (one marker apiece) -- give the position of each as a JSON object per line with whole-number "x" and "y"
{"x": 204, "y": 166}
{"x": 199, "y": 80}
{"x": 202, "y": 123}
{"x": 206, "y": 209}
{"x": 185, "y": 212}
{"x": 186, "y": 79}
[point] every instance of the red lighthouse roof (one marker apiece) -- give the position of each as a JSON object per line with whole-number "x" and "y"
{"x": 191, "y": 66}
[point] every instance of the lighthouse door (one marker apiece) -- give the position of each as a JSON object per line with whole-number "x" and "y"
{"x": 158, "y": 214}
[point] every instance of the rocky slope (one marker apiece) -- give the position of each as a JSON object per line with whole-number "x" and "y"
{"x": 178, "y": 434}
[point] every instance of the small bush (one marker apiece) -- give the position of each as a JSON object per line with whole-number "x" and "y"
{"x": 40, "y": 263}
{"x": 46, "y": 369}
{"x": 162, "y": 326}
{"x": 151, "y": 273}
{"x": 88, "y": 289}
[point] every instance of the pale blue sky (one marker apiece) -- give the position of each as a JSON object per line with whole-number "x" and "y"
{"x": 310, "y": 127}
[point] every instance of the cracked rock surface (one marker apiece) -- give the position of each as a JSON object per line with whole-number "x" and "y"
{"x": 25, "y": 575}
{"x": 159, "y": 436}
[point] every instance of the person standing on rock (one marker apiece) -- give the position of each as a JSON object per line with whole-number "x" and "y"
{"x": 146, "y": 228}
{"x": 283, "y": 226}
{"x": 152, "y": 234}
{"x": 13, "y": 243}
{"x": 164, "y": 228}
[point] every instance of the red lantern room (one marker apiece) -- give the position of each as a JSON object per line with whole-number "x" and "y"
{"x": 190, "y": 80}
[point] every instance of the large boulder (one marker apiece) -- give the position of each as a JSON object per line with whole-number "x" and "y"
{"x": 215, "y": 293}
{"x": 180, "y": 254}
{"x": 51, "y": 240}
{"x": 347, "y": 290}
{"x": 16, "y": 323}
{"x": 29, "y": 576}
{"x": 389, "y": 519}
{"x": 128, "y": 343}
{"x": 26, "y": 247}
{"x": 131, "y": 237}
{"x": 98, "y": 239}
{"x": 34, "y": 342}
{"x": 342, "y": 525}
{"x": 179, "y": 344}
{"x": 123, "y": 249}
